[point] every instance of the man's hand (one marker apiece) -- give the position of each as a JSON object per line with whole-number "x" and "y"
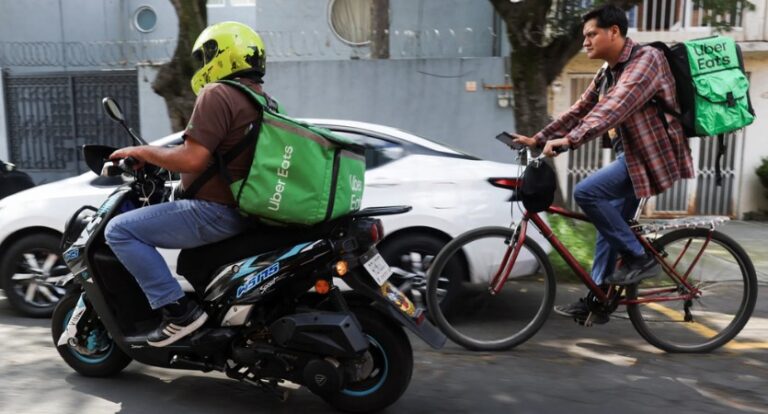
{"x": 554, "y": 145}
{"x": 133, "y": 152}
{"x": 527, "y": 141}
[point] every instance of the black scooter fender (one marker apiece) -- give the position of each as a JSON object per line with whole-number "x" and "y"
{"x": 397, "y": 306}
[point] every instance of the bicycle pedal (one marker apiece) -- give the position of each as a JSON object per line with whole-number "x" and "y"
{"x": 587, "y": 323}
{"x": 592, "y": 319}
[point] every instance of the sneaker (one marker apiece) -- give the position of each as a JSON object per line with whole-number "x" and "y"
{"x": 573, "y": 310}
{"x": 635, "y": 270}
{"x": 174, "y": 328}
{"x": 579, "y": 311}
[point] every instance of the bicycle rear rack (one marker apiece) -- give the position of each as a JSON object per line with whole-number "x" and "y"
{"x": 655, "y": 226}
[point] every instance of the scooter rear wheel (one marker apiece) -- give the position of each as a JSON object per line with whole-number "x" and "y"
{"x": 393, "y": 365}
{"x": 99, "y": 356}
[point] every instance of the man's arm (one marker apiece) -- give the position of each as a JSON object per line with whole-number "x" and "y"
{"x": 568, "y": 120}
{"x": 190, "y": 157}
{"x": 634, "y": 88}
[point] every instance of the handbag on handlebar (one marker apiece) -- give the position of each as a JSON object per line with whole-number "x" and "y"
{"x": 539, "y": 184}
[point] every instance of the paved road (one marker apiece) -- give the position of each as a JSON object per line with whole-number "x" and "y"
{"x": 563, "y": 369}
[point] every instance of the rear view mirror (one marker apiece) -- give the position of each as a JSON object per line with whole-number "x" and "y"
{"x": 113, "y": 109}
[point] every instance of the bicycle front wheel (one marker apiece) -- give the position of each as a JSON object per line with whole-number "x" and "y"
{"x": 477, "y": 319}
{"x": 721, "y": 272}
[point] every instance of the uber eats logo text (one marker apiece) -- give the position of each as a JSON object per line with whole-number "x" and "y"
{"x": 282, "y": 171}
{"x": 711, "y": 56}
{"x": 356, "y": 184}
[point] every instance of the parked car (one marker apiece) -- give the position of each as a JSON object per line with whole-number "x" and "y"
{"x": 12, "y": 180}
{"x": 449, "y": 190}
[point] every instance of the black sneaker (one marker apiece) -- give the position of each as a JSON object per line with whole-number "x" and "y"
{"x": 573, "y": 310}
{"x": 174, "y": 328}
{"x": 579, "y": 311}
{"x": 635, "y": 270}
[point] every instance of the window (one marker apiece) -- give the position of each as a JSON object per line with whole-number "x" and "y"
{"x": 238, "y": 3}
{"x": 377, "y": 151}
{"x": 145, "y": 19}
{"x": 351, "y": 20}
{"x": 214, "y": 3}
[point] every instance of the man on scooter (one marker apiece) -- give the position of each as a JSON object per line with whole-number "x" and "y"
{"x": 207, "y": 212}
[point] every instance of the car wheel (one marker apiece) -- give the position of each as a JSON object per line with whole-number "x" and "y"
{"x": 29, "y": 273}
{"x": 410, "y": 256}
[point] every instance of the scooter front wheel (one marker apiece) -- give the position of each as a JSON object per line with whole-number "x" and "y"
{"x": 96, "y": 354}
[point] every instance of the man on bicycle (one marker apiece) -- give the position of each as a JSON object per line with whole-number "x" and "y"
{"x": 650, "y": 157}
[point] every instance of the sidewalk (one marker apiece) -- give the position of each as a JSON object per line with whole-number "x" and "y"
{"x": 753, "y": 237}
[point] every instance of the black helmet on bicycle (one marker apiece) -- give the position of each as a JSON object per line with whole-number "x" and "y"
{"x": 539, "y": 185}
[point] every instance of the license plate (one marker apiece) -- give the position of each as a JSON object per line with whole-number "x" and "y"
{"x": 376, "y": 266}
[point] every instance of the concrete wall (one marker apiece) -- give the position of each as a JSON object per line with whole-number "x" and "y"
{"x": 62, "y": 35}
{"x": 424, "y": 96}
{"x": 300, "y": 29}
{"x": 153, "y": 113}
{"x": 752, "y": 193}
{"x": 4, "y": 150}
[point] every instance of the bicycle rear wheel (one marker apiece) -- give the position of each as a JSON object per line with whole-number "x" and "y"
{"x": 476, "y": 319}
{"x": 725, "y": 277}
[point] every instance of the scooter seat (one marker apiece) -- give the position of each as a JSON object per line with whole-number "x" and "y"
{"x": 198, "y": 264}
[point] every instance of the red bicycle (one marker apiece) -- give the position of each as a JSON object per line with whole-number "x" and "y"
{"x": 702, "y": 298}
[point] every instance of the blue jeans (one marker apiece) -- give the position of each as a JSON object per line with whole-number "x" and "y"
{"x": 608, "y": 199}
{"x": 182, "y": 224}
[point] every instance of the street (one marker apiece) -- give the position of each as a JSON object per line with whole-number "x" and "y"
{"x": 564, "y": 368}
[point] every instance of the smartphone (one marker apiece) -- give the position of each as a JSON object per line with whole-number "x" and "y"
{"x": 508, "y": 139}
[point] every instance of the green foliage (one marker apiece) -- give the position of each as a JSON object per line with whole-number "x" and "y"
{"x": 579, "y": 237}
{"x": 762, "y": 172}
{"x": 722, "y": 15}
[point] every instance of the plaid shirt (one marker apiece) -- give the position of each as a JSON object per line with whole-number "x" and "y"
{"x": 656, "y": 158}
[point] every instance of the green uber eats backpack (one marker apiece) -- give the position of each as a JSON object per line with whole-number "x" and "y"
{"x": 712, "y": 86}
{"x": 300, "y": 174}
{"x": 712, "y": 89}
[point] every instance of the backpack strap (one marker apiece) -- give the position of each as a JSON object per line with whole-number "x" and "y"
{"x": 719, "y": 159}
{"x": 220, "y": 160}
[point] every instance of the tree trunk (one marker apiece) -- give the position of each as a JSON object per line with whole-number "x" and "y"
{"x": 380, "y": 29}
{"x": 528, "y": 75}
{"x": 173, "y": 79}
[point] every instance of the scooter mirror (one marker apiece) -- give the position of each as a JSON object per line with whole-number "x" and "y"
{"x": 113, "y": 109}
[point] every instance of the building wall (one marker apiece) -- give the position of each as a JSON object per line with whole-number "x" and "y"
{"x": 300, "y": 29}
{"x": 424, "y": 96}
{"x": 311, "y": 71}
{"x": 81, "y": 35}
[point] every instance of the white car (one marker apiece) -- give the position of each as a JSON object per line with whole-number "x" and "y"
{"x": 449, "y": 191}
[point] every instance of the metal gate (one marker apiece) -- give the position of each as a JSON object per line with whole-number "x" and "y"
{"x": 687, "y": 197}
{"x": 50, "y": 116}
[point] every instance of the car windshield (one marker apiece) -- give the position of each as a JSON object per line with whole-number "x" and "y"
{"x": 435, "y": 145}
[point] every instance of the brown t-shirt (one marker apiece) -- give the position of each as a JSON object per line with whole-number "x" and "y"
{"x": 220, "y": 120}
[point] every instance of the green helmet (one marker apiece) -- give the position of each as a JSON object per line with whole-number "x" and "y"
{"x": 226, "y": 48}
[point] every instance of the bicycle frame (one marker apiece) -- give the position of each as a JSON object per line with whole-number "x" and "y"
{"x": 689, "y": 292}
